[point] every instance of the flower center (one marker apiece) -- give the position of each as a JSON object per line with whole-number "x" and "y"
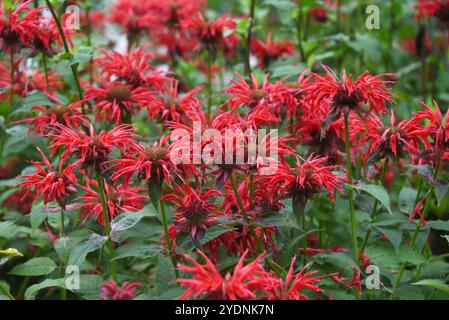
{"x": 155, "y": 153}
{"x": 258, "y": 94}
{"x": 120, "y": 93}
{"x": 344, "y": 99}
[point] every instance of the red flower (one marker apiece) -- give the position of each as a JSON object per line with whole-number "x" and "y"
{"x": 46, "y": 38}
{"x": 132, "y": 68}
{"x": 20, "y": 200}
{"x": 195, "y": 211}
{"x": 346, "y": 95}
{"x": 50, "y": 184}
{"x": 270, "y": 50}
{"x": 244, "y": 283}
{"x": 67, "y": 115}
{"x": 433, "y": 8}
{"x": 307, "y": 178}
{"x": 319, "y": 14}
{"x": 364, "y": 260}
{"x": 291, "y": 288}
{"x": 118, "y": 199}
{"x": 117, "y": 102}
{"x": 134, "y": 16}
{"x": 171, "y": 106}
{"x": 437, "y": 130}
{"x": 253, "y": 95}
{"x": 356, "y": 282}
{"x": 92, "y": 150}
{"x": 17, "y": 27}
{"x": 112, "y": 291}
{"x": 211, "y": 33}
{"x": 417, "y": 211}
{"x": 388, "y": 141}
{"x": 152, "y": 163}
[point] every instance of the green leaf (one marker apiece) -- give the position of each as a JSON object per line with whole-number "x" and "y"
{"x": 91, "y": 244}
{"x": 90, "y": 286}
{"x": 283, "y": 218}
{"x": 214, "y": 232}
{"x": 438, "y": 225}
{"x": 8, "y": 229}
{"x": 34, "y": 267}
{"x": 31, "y": 292}
{"x": 164, "y": 277}
{"x": 440, "y": 190}
{"x": 433, "y": 283}
{"x": 139, "y": 250}
{"x": 393, "y": 235}
{"x": 82, "y": 55}
{"x": 407, "y": 198}
{"x": 37, "y": 215}
{"x": 128, "y": 220}
{"x": 4, "y": 291}
{"x": 32, "y": 99}
{"x": 377, "y": 192}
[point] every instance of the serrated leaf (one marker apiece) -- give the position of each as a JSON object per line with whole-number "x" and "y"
{"x": 31, "y": 292}
{"x": 34, "y": 267}
{"x": 378, "y": 192}
{"x": 433, "y": 283}
{"x": 80, "y": 251}
{"x": 32, "y": 99}
{"x": 128, "y": 220}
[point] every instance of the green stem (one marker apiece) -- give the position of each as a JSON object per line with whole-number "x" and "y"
{"x": 299, "y": 30}
{"x": 74, "y": 67}
{"x": 245, "y": 215}
{"x": 63, "y": 291}
{"x": 376, "y": 204}
{"x": 251, "y": 191}
{"x": 304, "y": 243}
{"x": 44, "y": 62}
{"x": 417, "y": 229}
{"x": 351, "y": 197}
{"x": 350, "y": 190}
{"x": 167, "y": 239}
{"x": 209, "y": 84}
{"x": 11, "y": 93}
{"x": 107, "y": 227}
{"x": 248, "y": 38}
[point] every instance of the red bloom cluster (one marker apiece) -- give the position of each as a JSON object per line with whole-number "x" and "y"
{"x": 248, "y": 281}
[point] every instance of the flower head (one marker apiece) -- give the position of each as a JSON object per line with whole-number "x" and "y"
{"x": 346, "y": 95}
{"x": 91, "y": 150}
{"x": 17, "y": 26}
{"x": 118, "y": 199}
{"x": 117, "y": 102}
{"x": 244, "y": 283}
{"x": 195, "y": 211}
{"x": 294, "y": 284}
{"x": 50, "y": 184}
{"x": 112, "y": 291}
{"x": 270, "y": 50}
